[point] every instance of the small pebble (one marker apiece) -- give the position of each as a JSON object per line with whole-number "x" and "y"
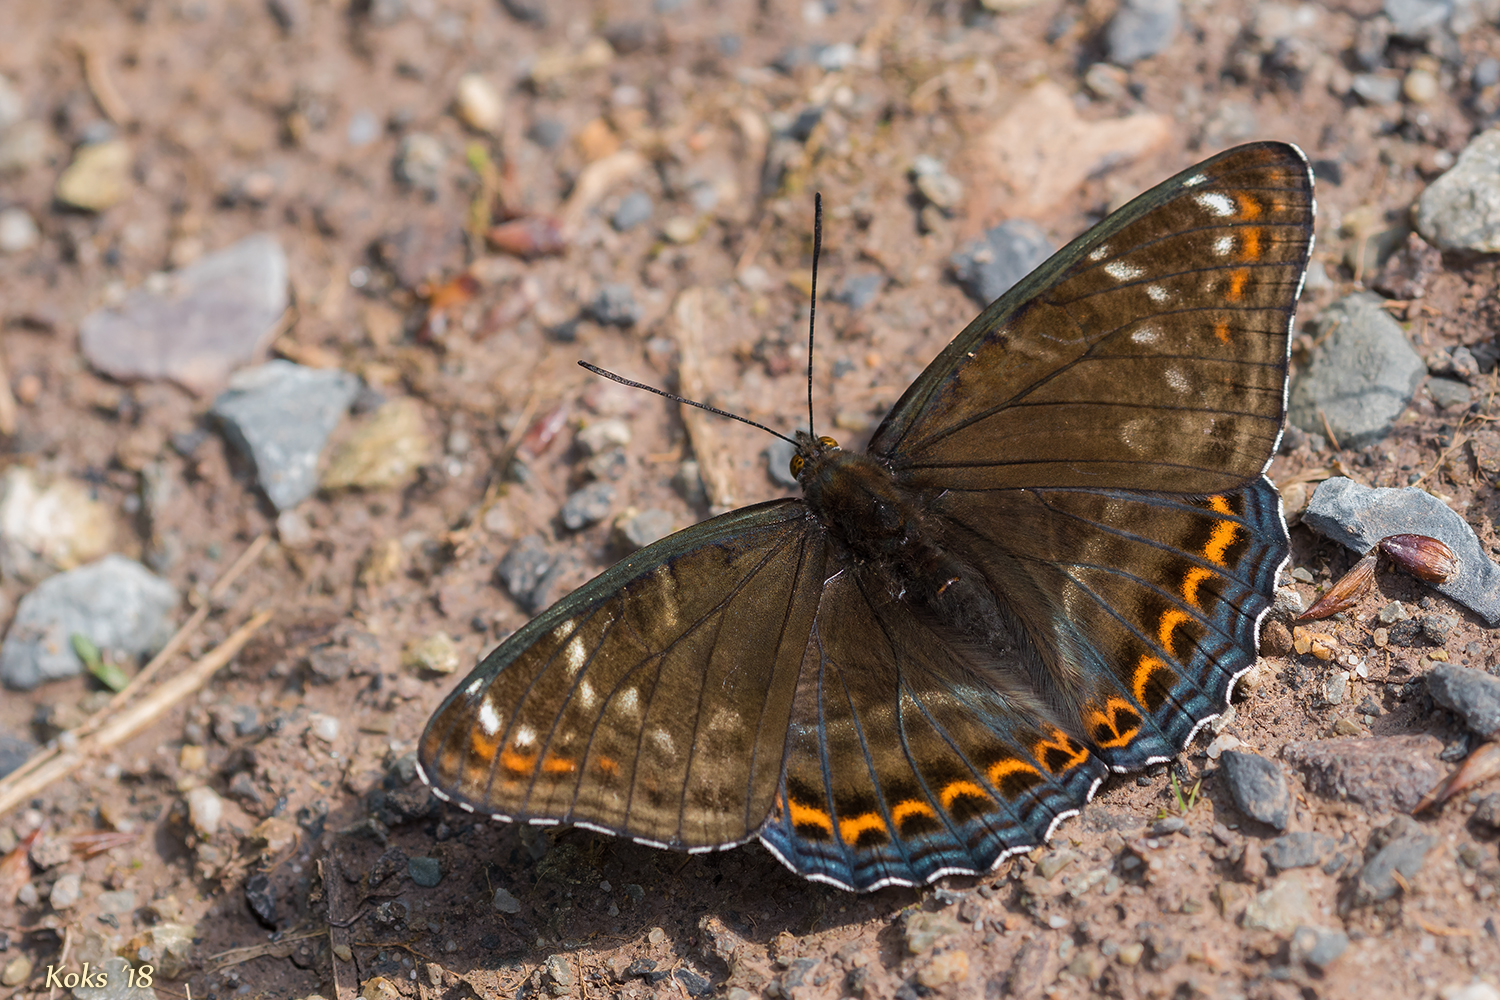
{"x": 66, "y": 891}
{"x": 426, "y": 872}
{"x": 478, "y": 104}
{"x": 634, "y": 209}
{"x": 18, "y": 230}
{"x": 504, "y": 902}
{"x": 325, "y": 727}
{"x": 587, "y": 506}
{"x": 420, "y": 162}
{"x": 641, "y": 529}
{"x": 1420, "y": 86}
{"x": 602, "y": 436}
{"x": 437, "y": 653}
{"x": 615, "y": 305}
{"x": 98, "y": 178}
{"x": 205, "y": 810}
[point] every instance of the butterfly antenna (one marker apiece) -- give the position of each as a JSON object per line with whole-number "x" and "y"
{"x": 812, "y": 310}
{"x": 681, "y": 399}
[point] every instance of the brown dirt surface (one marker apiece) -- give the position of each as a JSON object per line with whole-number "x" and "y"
{"x": 238, "y": 117}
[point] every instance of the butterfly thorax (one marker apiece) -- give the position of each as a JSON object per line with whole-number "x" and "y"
{"x": 866, "y": 513}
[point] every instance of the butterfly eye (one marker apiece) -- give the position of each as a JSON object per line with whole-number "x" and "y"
{"x": 828, "y": 442}
{"x": 796, "y": 466}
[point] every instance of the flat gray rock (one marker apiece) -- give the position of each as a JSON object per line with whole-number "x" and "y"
{"x": 196, "y": 325}
{"x": 1141, "y": 28}
{"x": 987, "y": 268}
{"x": 1361, "y": 378}
{"x": 1399, "y": 846}
{"x": 280, "y": 415}
{"x": 116, "y": 602}
{"x": 1384, "y": 773}
{"x": 1358, "y": 516}
{"x": 1471, "y": 694}
{"x": 1461, "y": 209}
{"x": 1258, "y": 787}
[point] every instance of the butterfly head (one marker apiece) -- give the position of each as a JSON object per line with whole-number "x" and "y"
{"x": 809, "y": 450}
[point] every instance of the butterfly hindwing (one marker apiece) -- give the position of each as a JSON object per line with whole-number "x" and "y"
{"x": 903, "y": 765}
{"x": 1146, "y": 605}
{"x": 1150, "y": 353}
{"x": 654, "y": 701}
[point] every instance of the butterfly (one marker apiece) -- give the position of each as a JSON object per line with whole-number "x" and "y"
{"x": 1050, "y": 564}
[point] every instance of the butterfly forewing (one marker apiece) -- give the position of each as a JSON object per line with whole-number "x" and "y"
{"x": 1149, "y": 354}
{"x": 645, "y": 703}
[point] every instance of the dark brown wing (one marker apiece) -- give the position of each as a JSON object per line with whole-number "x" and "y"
{"x": 652, "y": 702}
{"x": 1148, "y": 354}
{"x": 906, "y": 762}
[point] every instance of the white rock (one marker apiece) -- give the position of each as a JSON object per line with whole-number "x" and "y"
{"x": 205, "y": 810}
{"x": 478, "y": 104}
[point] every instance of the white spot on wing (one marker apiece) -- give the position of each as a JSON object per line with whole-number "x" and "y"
{"x": 474, "y": 686}
{"x": 1157, "y": 293}
{"x": 630, "y": 701}
{"x": 663, "y": 739}
{"x": 1177, "y": 380}
{"x": 586, "y": 696}
{"x": 1194, "y": 180}
{"x": 1145, "y": 335}
{"x": 525, "y": 736}
{"x": 1099, "y": 252}
{"x": 564, "y": 629}
{"x": 1123, "y": 271}
{"x": 576, "y": 654}
{"x": 489, "y": 720}
{"x": 1217, "y": 203}
{"x": 1224, "y": 245}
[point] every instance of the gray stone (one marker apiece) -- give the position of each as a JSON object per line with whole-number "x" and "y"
{"x": 279, "y": 415}
{"x": 1361, "y": 378}
{"x": 116, "y": 602}
{"x": 1461, "y": 209}
{"x": 504, "y": 902}
{"x": 1472, "y": 694}
{"x": 1358, "y": 517}
{"x": 615, "y": 305}
{"x": 524, "y": 567}
{"x": 634, "y": 209}
{"x": 14, "y": 750}
{"x": 1399, "y": 847}
{"x": 1317, "y": 947}
{"x": 987, "y": 268}
{"x": 1487, "y": 812}
{"x": 1376, "y": 88}
{"x": 859, "y": 290}
{"x": 119, "y": 902}
{"x": 1383, "y": 773}
{"x": 197, "y": 324}
{"x": 1416, "y": 18}
{"x": 1258, "y": 786}
{"x": 587, "y": 506}
{"x": 1449, "y": 394}
{"x": 18, "y": 231}
{"x": 640, "y": 530}
{"x": 1141, "y": 28}
{"x": 66, "y": 891}
{"x": 1302, "y": 849}
{"x": 426, "y": 872}
{"x": 1281, "y": 907}
{"x": 420, "y": 162}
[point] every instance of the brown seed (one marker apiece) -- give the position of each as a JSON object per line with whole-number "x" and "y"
{"x": 1345, "y": 593}
{"x": 529, "y": 236}
{"x": 1423, "y": 557}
